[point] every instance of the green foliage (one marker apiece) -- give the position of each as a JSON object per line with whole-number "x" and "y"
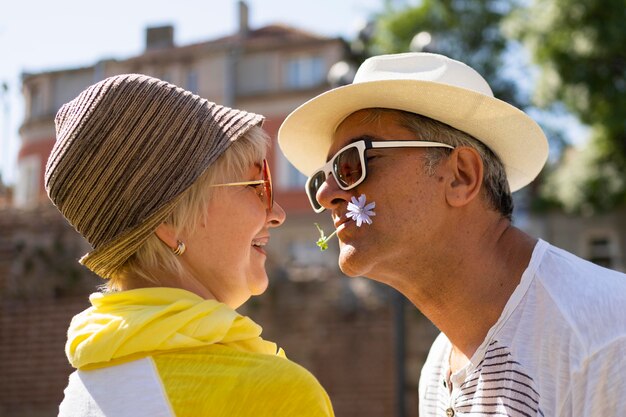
{"x": 467, "y": 30}
{"x": 580, "y": 49}
{"x": 581, "y": 183}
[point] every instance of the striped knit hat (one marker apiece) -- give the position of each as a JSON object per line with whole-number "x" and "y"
{"x": 126, "y": 148}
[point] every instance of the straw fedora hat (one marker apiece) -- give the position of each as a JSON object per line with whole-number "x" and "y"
{"x": 428, "y": 84}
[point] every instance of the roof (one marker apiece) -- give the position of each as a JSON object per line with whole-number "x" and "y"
{"x": 266, "y": 37}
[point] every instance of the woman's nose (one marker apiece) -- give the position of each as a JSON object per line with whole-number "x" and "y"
{"x": 276, "y": 216}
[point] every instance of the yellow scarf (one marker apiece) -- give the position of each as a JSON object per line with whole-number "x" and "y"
{"x": 125, "y": 325}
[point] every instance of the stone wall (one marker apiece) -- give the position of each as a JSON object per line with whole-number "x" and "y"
{"x": 32, "y": 362}
{"x": 341, "y": 329}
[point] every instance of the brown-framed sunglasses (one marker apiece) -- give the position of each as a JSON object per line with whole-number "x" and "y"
{"x": 268, "y": 194}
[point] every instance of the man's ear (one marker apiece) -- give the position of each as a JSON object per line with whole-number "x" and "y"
{"x": 166, "y": 234}
{"x": 466, "y": 167}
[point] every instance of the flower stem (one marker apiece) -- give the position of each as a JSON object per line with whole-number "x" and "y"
{"x": 322, "y": 242}
{"x": 330, "y": 236}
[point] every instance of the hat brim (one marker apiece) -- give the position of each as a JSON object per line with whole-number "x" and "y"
{"x": 306, "y": 134}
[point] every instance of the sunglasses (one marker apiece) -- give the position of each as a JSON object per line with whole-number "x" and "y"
{"x": 349, "y": 165}
{"x": 267, "y": 196}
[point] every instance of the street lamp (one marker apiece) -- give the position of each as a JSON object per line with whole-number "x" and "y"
{"x": 341, "y": 73}
{"x": 421, "y": 42}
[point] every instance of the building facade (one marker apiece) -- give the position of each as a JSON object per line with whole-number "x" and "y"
{"x": 269, "y": 70}
{"x": 348, "y": 332}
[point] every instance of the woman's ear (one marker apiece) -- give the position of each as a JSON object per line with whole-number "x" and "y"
{"x": 467, "y": 176}
{"x": 166, "y": 234}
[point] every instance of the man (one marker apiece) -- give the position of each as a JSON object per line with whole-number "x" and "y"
{"x": 527, "y": 329}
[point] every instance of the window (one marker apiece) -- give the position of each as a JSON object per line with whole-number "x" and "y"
{"x": 191, "y": 81}
{"x": 294, "y": 178}
{"x": 27, "y": 187}
{"x": 288, "y": 176}
{"x": 600, "y": 251}
{"x": 304, "y": 72}
{"x": 37, "y": 107}
{"x": 602, "y": 247}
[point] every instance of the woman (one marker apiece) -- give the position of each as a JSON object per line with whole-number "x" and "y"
{"x": 175, "y": 196}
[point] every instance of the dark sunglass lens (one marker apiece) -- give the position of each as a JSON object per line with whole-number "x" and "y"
{"x": 348, "y": 167}
{"x": 315, "y": 183}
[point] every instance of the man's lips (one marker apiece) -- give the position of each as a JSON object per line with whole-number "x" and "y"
{"x": 342, "y": 220}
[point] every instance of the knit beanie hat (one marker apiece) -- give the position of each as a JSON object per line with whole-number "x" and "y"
{"x": 126, "y": 148}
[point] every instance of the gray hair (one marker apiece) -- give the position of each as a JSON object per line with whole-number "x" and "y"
{"x": 495, "y": 184}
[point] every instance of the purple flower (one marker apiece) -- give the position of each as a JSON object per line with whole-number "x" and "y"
{"x": 360, "y": 211}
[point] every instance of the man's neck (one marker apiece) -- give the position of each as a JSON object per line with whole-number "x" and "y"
{"x": 466, "y": 295}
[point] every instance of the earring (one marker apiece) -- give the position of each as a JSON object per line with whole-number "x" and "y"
{"x": 180, "y": 249}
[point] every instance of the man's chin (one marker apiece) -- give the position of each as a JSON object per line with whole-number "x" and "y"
{"x": 350, "y": 262}
{"x": 348, "y": 272}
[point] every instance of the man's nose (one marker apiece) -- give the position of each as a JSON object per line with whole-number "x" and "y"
{"x": 330, "y": 195}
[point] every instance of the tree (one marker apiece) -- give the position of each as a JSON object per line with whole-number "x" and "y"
{"x": 579, "y": 48}
{"x": 467, "y": 30}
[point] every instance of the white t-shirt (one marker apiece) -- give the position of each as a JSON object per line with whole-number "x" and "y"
{"x": 558, "y": 349}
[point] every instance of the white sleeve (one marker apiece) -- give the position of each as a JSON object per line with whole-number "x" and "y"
{"x": 131, "y": 389}
{"x": 599, "y": 388}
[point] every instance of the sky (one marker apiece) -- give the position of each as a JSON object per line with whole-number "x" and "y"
{"x": 41, "y": 35}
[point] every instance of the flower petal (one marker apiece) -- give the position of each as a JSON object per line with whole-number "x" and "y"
{"x": 360, "y": 211}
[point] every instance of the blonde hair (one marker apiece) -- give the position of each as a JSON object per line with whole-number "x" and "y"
{"x": 154, "y": 259}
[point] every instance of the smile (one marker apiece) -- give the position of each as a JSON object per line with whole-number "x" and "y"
{"x": 260, "y": 243}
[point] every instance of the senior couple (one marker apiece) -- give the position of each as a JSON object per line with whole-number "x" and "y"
{"x": 415, "y": 162}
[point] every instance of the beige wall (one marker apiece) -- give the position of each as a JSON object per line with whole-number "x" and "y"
{"x": 577, "y": 234}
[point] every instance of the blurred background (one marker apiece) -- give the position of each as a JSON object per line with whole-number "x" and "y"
{"x": 562, "y": 61}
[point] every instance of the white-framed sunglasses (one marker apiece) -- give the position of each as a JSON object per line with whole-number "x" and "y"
{"x": 349, "y": 165}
